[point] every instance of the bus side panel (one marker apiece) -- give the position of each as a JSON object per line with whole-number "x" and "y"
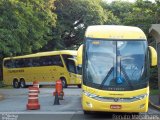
{"x": 7, "y": 78}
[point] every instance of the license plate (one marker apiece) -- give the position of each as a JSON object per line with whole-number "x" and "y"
{"x": 115, "y": 106}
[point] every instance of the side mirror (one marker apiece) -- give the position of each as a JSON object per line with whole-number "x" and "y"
{"x": 153, "y": 56}
{"x": 79, "y": 55}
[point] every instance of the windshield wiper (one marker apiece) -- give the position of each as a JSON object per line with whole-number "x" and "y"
{"x": 106, "y": 78}
{"x": 126, "y": 78}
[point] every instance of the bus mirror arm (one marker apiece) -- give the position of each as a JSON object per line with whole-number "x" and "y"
{"x": 152, "y": 56}
{"x": 79, "y": 55}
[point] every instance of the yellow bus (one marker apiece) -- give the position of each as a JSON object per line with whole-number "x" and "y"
{"x": 115, "y": 69}
{"x": 45, "y": 67}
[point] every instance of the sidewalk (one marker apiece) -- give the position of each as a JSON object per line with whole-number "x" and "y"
{"x": 154, "y": 101}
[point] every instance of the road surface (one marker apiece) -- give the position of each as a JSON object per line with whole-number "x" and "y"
{"x": 13, "y": 107}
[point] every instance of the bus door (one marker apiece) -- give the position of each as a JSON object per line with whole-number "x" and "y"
{"x": 72, "y": 71}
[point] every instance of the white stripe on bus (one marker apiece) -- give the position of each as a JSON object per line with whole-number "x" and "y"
{"x": 33, "y": 90}
{"x": 32, "y": 98}
{"x": 33, "y": 93}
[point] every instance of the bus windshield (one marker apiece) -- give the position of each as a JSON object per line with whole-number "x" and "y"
{"x": 116, "y": 65}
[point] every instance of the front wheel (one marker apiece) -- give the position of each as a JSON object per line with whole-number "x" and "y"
{"x": 64, "y": 82}
{"x": 79, "y": 86}
{"x": 16, "y": 83}
{"x": 22, "y": 83}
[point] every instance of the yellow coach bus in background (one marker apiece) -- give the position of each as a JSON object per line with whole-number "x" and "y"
{"x": 45, "y": 67}
{"x": 115, "y": 69}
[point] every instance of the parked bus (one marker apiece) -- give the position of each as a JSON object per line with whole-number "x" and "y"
{"x": 115, "y": 69}
{"x": 45, "y": 67}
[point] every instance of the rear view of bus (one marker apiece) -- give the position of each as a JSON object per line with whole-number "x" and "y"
{"x": 116, "y": 62}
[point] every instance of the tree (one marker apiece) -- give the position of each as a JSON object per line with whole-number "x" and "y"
{"x": 119, "y": 9}
{"x": 73, "y": 16}
{"x": 143, "y": 15}
{"x": 157, "y": 12}
{"x": 25, "y": 25}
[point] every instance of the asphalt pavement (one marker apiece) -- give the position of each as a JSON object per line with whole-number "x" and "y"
{"x": 13, "y": 107}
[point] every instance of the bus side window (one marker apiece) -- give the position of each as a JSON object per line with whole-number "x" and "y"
{"x": 28, "y": 62}
{"x": 49, "y": 60}
{"x": 36, "y": 62}
{"x": 19, "y": 63}
{"x": 45, "y": 61}
{"x": 8, "y": 63}
{"x": 65, "y": 58}
{"x": 71, "y": 66}
{"x": 57, "y": 60}
{"x": 79, "y": 69}
{"x": 42, "y": 61}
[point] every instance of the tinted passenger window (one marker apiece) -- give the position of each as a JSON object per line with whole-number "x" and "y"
{"x": 57, "y": 60}
{"x": 9, "y": 63}
{"x": 34, "y": 62}
{"x": 79, "y": 70}
{"x": 65, "y": 58}
{"x": 71, "y": 66}
{"x": 19, "y": 63}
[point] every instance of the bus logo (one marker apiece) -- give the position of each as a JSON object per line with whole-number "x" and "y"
{"x": 116, "y": 99}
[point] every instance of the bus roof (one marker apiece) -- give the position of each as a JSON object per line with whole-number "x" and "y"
{"x": 115, "y": 32}
{"x": 69, "y": 52}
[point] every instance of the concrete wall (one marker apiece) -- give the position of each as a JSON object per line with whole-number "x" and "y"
{"x": 155, "y": 32}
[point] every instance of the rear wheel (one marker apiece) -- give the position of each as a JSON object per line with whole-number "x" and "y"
{"x": 22, "y": 83}
{"x": 79, "y": 86}
{"x": 64, "y": 82}
{"x": 16, "y": 83}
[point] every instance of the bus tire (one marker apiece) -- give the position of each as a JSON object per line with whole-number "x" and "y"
{"x": 22, "y": 83}
{"x": 64, "y": 82}
{"x": 16, "y": 83}
{"x": 79, "y": 85}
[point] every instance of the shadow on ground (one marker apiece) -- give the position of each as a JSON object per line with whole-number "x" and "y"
{"x": 105, "y": 116}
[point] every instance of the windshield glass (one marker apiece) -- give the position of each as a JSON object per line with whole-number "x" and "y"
{"x": 115, "y": 64}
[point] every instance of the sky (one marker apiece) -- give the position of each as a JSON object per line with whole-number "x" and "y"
{"x": 126, "y": 0}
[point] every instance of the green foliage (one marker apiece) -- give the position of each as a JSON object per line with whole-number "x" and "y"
{"x": 143, "y": 15}
{"x": 73, "y": 16}
{"x": 28, "y": 26}
{"x": 25, "y": 25}
{"x": 119, "y": 9}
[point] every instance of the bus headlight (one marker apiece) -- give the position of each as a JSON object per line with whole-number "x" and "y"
{"x": 140, "y": 97}
{"x": 89, "y": 94}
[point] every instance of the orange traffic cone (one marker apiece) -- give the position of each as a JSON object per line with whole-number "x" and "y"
{"x": 36, "y": 84}
{"x": 59, "y": 90}
{"x": 33, "y": 102}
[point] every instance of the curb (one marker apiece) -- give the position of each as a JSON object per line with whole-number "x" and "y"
{"x": 154, "y": 106}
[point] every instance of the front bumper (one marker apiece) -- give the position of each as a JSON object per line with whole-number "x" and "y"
{"x": 91, "y": 104}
